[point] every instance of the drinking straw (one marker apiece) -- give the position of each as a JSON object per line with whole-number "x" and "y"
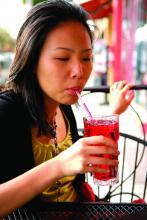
{"x": 83, "y": 103}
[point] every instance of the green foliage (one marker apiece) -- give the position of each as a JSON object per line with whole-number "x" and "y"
{"x": 34, "y": 2}
{"x": 7, "y": 43}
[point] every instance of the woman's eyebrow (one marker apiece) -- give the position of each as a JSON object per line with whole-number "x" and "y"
{"x": 72, "y": 50}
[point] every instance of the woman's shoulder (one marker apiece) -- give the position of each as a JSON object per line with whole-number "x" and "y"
{"x": 10, "y": 102}
{"x": 8, "y": 96}
{"x": 13, "y": 112}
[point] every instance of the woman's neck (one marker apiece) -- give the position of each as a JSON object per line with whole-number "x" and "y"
{"x": 51, "y": 109}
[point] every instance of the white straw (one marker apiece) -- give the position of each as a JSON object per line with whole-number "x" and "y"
{"x": 83, "y": 103}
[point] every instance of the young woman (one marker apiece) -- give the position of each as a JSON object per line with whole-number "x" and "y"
{"x": 41, "y": 153}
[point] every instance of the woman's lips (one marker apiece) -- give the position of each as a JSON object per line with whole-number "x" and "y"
{"x": 72, "y": 91}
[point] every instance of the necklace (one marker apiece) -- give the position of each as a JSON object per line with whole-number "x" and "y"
{"x": 51, "y": 129}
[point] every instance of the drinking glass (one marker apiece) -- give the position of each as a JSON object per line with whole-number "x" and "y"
{"x": 108, "y": 126}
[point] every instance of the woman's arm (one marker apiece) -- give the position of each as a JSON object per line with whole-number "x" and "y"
{"x": 20, "y": 190}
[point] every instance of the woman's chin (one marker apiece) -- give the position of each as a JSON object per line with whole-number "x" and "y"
{"x": 71, "y": 101}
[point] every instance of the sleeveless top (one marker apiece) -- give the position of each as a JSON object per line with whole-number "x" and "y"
{"x": 63, "y": 190}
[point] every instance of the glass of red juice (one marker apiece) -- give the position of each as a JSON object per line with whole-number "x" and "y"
{"x": 108, "y": 126}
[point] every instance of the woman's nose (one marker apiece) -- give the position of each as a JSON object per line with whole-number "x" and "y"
{"x": 77, "y": 70}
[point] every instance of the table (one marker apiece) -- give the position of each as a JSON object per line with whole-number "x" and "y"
{"x": 82, "y": 211}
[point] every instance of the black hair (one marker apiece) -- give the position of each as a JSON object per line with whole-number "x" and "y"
{"x": 40, "y": 20}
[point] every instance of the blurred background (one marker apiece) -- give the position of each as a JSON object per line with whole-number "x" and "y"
{"x": 120, "y": 45}
{"x": 120, "y": 42}
{"x": 120, "y": 53}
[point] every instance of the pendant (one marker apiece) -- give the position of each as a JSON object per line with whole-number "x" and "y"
{"x": 55, "y": 151}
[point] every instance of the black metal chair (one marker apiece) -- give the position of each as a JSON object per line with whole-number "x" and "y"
{"x": 126, "y": 190}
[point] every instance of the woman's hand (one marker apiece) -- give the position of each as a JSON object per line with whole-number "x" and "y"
{"x": 84, "y": 155}
{"x": 120, "y": 96}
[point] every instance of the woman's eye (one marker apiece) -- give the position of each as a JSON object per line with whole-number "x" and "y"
{"x": 87, "y": 59}
{"x": 63, "y": 58}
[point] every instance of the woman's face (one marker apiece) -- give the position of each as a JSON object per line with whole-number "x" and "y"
{"x": 65, "y": 62}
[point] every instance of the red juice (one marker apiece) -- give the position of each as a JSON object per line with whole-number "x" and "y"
{"x": 107, "y": 126}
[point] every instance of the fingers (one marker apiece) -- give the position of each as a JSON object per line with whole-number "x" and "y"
{"x": 126, "y": 88}
{"x": 121, "y": 85}
{"x": 129, "y": 96}
{"x": 118, "y": 85}
{"x": 95, "y": 160}
{"x": 97, "y": 140}
{"x": 101, "y": 166}
{"x": 92, "y": 169}
{"x": 99, "y": 150}
{"x": 97, "y": 155}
